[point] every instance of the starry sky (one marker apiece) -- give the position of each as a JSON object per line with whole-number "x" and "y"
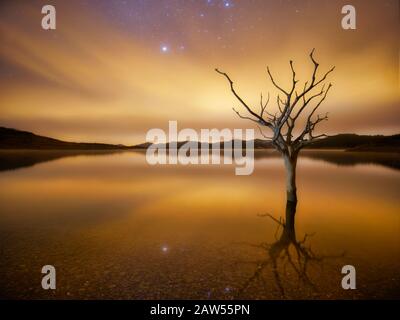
{"x": 114, "y": 69}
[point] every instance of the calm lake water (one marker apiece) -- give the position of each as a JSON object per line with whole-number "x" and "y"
{"x": 115, "y": 227}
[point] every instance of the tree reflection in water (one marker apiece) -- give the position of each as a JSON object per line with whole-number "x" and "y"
{"x": 285, "y": 253}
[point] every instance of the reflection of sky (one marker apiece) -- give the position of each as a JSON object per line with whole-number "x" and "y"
{"x": 125, "y": 180}
{"x": 176, "y": 225}
{"x": 114, "y": 69}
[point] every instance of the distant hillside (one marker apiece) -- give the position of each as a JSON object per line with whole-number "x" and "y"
{"x": 16, "y": 139}
{"x": 258, "y": 144}
{"x": 348, "y": 142}
{"x": 354, "y": 142}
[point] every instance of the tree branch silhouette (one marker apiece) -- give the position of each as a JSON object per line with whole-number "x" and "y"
{"x": 292, "y": 103}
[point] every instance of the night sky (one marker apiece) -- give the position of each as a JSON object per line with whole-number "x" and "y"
{"x": 114, "y": 69}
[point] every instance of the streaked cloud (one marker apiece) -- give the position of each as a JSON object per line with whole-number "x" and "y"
{"x": 91, "y": 80}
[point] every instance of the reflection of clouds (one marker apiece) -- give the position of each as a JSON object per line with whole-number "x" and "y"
{"x": 116, "y": 214}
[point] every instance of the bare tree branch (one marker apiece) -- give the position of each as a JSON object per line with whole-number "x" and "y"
{"x": 261, "y": 120}
{"x": 262, "y": 133}
{"x": 294, "y": 103}
{"x": 275, "y": 84}
{"x": 242, "y": 117}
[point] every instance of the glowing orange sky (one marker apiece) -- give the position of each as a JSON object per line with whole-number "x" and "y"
{"x": 96, "y": 80}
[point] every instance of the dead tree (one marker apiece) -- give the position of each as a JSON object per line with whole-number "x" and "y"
{"x": 291, "y": 104}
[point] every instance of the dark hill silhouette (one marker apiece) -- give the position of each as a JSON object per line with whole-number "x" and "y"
{"x": 258, "y": 144}
{"x": 30, "y": 149}
{"x": 354, "y": 142}
{"x": 16, "y": 139}
{"x": 348, "y": 142}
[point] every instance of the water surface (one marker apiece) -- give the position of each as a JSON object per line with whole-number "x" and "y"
{"x": 115, "y": 227}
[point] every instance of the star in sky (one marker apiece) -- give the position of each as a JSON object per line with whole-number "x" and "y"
{"x": 227, "y": 4}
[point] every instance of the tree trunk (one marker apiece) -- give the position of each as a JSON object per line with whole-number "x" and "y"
{"x": 290, "y": 166}
{"x": 289, "y": 229}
